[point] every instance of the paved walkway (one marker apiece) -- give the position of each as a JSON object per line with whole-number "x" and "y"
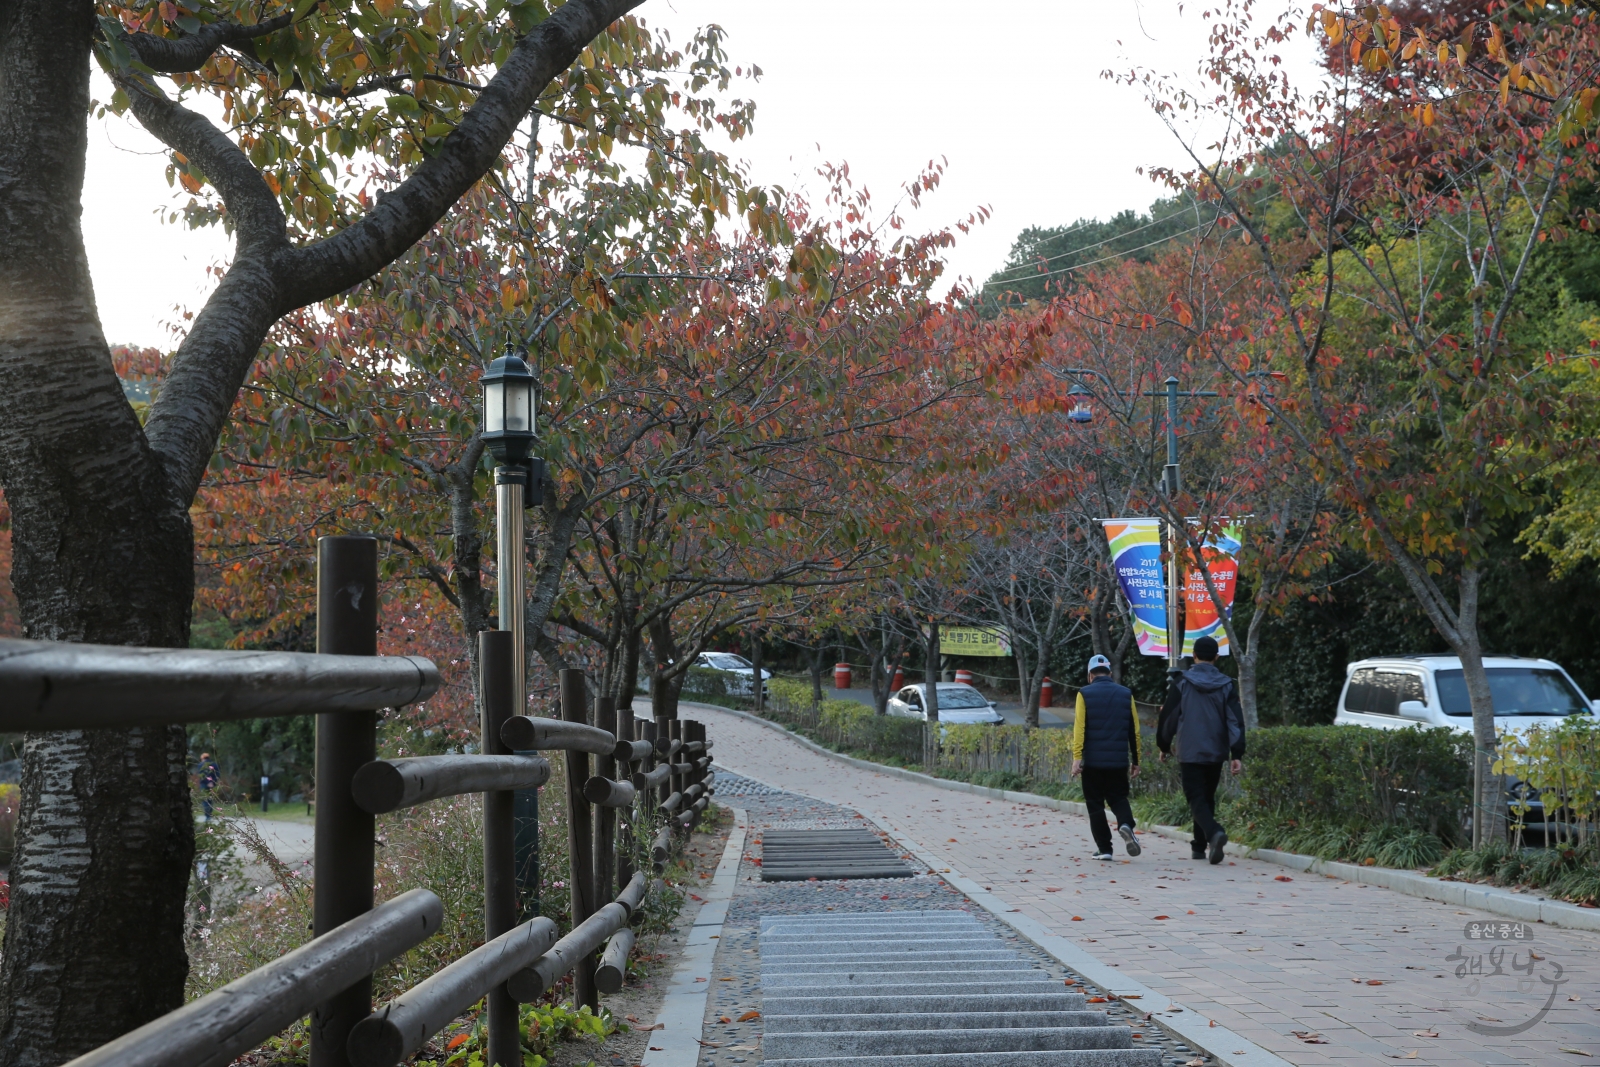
{"x": 1316, "y": 970}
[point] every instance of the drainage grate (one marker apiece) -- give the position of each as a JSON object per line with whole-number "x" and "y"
{"x": 796, "y": 855}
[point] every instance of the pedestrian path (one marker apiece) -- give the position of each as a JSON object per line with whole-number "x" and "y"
{"x": 1316, "y": 970}
{"x": 922, "y": 989}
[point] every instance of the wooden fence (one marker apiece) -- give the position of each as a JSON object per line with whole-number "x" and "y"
{"x": 626, "y": 780}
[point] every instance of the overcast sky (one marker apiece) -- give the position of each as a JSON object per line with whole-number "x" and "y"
{"x": 1007, "y": 92}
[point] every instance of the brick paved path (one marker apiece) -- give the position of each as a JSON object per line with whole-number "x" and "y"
{"x": 1261, "y": 950}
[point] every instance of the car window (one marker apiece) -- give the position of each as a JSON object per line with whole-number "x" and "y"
{"x": 912, "y": 697}
{"x": 959, "y": 698}
{"x": 1514, "y": 690}
{"x": 1358, "y": 695}
{"x": 1383, "y": 698}
{"x": 1411, "y": 688}
{"x": 727, "y": 661}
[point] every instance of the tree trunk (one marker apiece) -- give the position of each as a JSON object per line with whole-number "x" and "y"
{"x": 666, "y": 681}
{"x": 931, "y": 673}
{"x": 1247, "y": 656}
{"x": 1489, "y": 823}
{"x": 819, "y": 663}
{"x": 757, "y": 699}
{"x": 103, "y": 553}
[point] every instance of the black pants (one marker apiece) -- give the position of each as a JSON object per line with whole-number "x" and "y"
{"x": 1200, "y": 789}
{"x": 1102, "y": 786}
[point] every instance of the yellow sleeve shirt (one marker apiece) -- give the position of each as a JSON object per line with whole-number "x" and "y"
{"x": 1080, "y": 715}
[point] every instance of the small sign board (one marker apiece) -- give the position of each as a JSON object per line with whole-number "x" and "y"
{"x": 974, "y": 641}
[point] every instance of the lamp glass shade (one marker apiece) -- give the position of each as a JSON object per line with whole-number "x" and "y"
{"x": 494, "y": 406}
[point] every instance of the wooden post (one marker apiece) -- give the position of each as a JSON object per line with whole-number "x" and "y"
{"x": 627, "y": 730}
{"x": 580, "y": 841}
{"x": 497, "y": 665}
{"x": 347, "y": 624}
{"x": 605, "y": 818}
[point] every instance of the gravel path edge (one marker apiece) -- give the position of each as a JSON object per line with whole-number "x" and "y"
{"x": 681, "y": 1020}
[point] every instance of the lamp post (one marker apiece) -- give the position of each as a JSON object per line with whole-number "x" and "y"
{"x": 1081, "y": 412}
{"x": 510, "y": 395}
{"x": 1175, "y": 537}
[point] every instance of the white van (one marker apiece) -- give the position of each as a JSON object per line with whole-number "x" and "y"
{"x": 1428, "y": 690}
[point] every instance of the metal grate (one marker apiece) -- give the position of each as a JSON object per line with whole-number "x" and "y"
{"x": 796, "y": 855}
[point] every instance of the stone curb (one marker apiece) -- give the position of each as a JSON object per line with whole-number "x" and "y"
{"x": 1487, "y": 898}
{"x": 683, "y": 1009}
{"x": 1491, "y": 899}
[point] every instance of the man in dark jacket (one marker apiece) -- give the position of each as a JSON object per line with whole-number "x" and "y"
{"x": 1105, "y": 740}
{"x": 1202, "y": 713}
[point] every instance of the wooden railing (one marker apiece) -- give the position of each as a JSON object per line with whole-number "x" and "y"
{"x": 623, "y": 779}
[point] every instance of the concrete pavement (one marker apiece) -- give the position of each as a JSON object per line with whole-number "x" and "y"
{"x": 1316, "y": 970}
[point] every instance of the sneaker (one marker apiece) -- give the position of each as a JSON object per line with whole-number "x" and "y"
{"x": 1128, "y": 839}
{"x": 1104, "y": 856}
{"x": 1218, "y": 839}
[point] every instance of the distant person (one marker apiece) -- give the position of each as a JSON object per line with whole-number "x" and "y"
{"x": 1105, "y": 750}
{"x": 1202, "y": 713}
{"x": 209, "y": 777}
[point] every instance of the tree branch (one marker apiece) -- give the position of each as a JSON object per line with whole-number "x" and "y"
{"x": 180, "y": 55}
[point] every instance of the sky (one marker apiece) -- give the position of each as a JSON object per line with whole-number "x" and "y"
{"x": 1007, "y": 93}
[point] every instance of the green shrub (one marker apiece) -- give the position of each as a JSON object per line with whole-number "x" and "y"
{"x": 1358, "y": 778}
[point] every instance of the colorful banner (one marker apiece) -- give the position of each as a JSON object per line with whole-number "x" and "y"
{"x": 974, "y": 641}
{"x": 1136, "y": 557}
{"x": 1221, "y": 556}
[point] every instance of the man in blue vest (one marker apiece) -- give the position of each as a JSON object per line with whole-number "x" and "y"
{"x": 1105, "y": 750}
{"x": 1203, "y": 716}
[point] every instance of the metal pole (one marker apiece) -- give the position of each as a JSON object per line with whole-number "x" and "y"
{"x": 497, "y": 679}
{"x": 1170, "y": 487}
{"x": 580, "y": 841}
{"x": 347, "y": 624}
{"x": 510, "y": 486}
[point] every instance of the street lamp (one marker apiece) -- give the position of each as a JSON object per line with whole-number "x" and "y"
{"x": 1169, "y": 488}
{"x": 509, "y": 389}
{"x": 1080, "y": 410}
{"x": 510, "y": 405}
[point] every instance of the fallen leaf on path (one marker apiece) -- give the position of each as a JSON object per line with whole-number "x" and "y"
{"x": 1196, "y": 1062}
{"x": 693, "y": 897}
{"x": 709, "y": 1044}
{"x": 655, "y": 1026}
{"x": 1574, "y": 998}
{"x": 724, "y": 979}
{"x": 1052, "y": 889}
{"x": 1160, "y": 917}
{"x": 1310, "y": 1037}
{"x": 1096, "y": 1000}
{"x": 1577, "y": 1052}
{"x": 1283, "y": 878}
{"x": 699, "y": 979}
{"x": 1408, "y": 1056}
{"x": 1191, "y": 911}
{"x": 1424, "y": 1033}
{"x": 747, "y": 1016}
{"x": 457, "y": 1041}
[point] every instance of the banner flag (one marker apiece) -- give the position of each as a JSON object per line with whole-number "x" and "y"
{"x": 1220, "y": 554}
{"x": 1136, "y": 557}
{"x": 974, "y": 641}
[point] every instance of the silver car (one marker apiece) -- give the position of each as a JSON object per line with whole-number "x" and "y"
{"x": 958, "y": 703}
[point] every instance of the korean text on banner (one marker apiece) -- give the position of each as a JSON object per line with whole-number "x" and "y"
{"x": 974, "y": 641}
{"x": 1136, "y": 557}
{"x": 1221, "y": 556}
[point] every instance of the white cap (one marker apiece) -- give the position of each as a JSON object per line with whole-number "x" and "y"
{"x": 1098, "y": 663}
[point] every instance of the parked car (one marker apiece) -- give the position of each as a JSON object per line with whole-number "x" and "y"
{"x": 1390, "y": 692}
{"x": 958, "y": 703}
{"x": 1394, "y": 691}
{"x": 738, "y": 669}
